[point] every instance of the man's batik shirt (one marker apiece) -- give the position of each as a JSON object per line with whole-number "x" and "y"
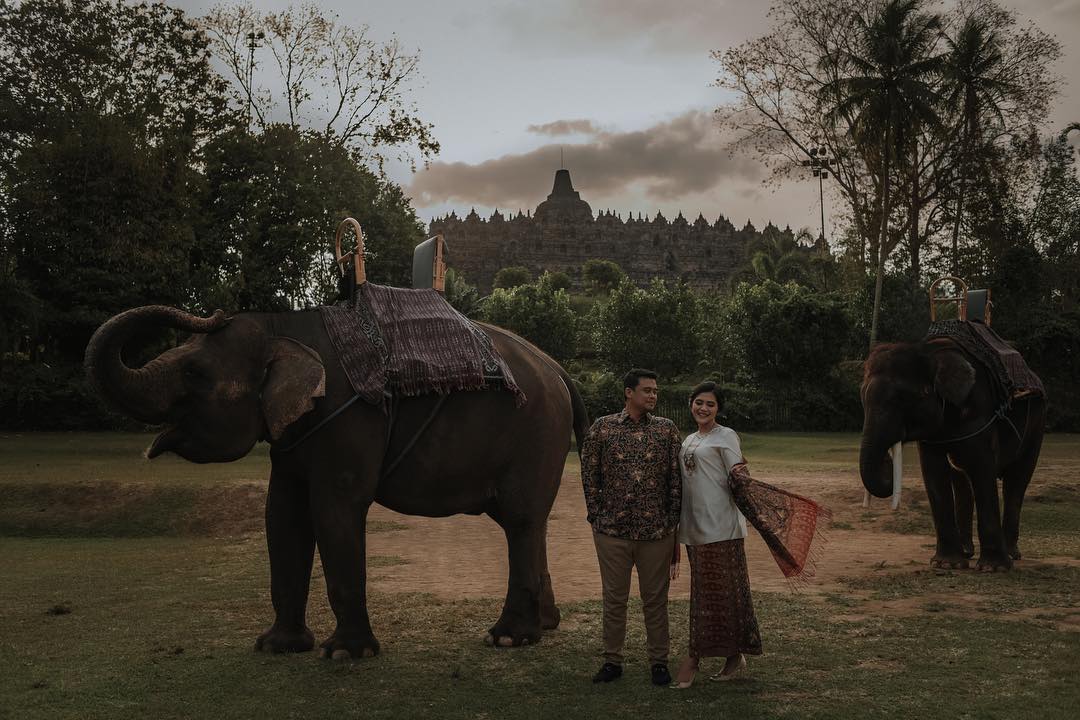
{"x": 630, "y": 473}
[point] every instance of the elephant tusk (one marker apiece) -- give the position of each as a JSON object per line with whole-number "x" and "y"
{"x": 897, "y": 472}
{"x": 866, "y": 498}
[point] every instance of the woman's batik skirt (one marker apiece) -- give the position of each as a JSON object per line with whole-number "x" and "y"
{"x": 722, "y": 621}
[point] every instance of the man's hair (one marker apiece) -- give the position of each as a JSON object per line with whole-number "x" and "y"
{"x": 708, "y": 387}
{"x": 631, "y": 379}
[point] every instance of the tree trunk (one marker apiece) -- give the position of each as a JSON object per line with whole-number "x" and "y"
{"x": 882, "y": 239}
{"x": 914, "y": 209}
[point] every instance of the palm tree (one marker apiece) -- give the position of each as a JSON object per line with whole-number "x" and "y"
{"x": 781, "y": 256}
{"x": 885, "y": 92}
{"x": 974, "y": 91}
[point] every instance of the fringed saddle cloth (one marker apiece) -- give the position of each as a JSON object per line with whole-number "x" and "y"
{"x": 412, "y": 342}
{"x": 1013, "y": 376}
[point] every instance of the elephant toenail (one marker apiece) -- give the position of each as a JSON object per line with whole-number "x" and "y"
{"x": 341, "y": 654}
{"x": 368, "y": 652}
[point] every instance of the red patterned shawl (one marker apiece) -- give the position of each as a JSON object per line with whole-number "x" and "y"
{"x": 788, "y": 523}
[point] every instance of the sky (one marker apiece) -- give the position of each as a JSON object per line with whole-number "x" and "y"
{"x": 620, "y": 92}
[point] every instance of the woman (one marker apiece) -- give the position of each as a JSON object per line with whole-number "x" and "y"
{"x": 722, "y": 622}
{"x": 719, "y": 497}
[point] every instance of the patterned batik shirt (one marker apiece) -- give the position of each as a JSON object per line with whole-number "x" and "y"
{"x": 630, "y": 473}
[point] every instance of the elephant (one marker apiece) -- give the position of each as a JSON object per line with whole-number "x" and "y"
{"x": 932, "y": 392}
{"x": 275, "y": 377}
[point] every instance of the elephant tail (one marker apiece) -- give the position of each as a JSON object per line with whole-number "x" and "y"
{"x": 581, "y": 413}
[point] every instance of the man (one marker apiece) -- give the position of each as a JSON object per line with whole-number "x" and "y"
{"x": 633, "y": 491}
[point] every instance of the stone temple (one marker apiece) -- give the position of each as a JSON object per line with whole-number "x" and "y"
{"x": 563, "y": 233}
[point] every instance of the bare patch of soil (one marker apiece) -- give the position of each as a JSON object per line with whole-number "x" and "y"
{"x": 465, "y": 556}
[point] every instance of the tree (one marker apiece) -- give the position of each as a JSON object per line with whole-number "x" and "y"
{"x": 886, "y": 91}
{"x": 996, "y": 86}
{"x": 510, "y": 277}
{"x": 781, "y": 256}
{"x": 273, "y": 202}
{"x": 333, "y": 78}
{"x": 657, "y": 327}
{"x": 106, "y": 109}
{"x": 539, "y": 312}
{"x": 786, "y": 82}
{"x": 463, "y": 296}
{"x": 560, "y": 280}
{"x": 600, "y": 276}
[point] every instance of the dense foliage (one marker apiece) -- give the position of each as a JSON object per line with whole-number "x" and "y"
{"x": 128, "y": 177}
{"x": 539, "y": 311}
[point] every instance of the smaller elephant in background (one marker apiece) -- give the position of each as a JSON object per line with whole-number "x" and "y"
{"x": 934, "y": 393}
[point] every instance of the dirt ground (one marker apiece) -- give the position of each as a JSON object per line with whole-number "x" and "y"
{"x": 465, "y": 556}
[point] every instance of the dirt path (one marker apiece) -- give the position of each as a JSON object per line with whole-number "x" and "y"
{"x": 465, "y": 556}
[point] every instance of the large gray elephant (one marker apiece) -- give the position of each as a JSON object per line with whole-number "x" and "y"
{"x": 276, "y": 377}
{"x": 933, "y": 393}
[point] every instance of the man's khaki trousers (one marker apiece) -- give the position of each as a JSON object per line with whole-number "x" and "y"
{"x": 652, "y": 558}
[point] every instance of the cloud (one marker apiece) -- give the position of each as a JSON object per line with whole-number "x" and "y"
{"x": 690, "y": 27}
{"x": 566, "y": 127}
{"x": 684, "y": 156}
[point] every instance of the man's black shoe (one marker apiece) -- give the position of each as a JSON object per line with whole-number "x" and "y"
{"x": 660, "y": 674}
{"x": 607, "y": 673}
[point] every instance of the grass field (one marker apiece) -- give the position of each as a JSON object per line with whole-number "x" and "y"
{"x": 136, "y": 589}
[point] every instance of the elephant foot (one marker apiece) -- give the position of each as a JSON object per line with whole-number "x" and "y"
{"x": 285, "y": 640}
{"x": 550, "y": 618}
{"x": 1014, "y": 552}
{"x": 949, "y": 561}
{"x": 988, "y": 563}
{"x": 503, "y": 635}
{"x": 340, "y": 646}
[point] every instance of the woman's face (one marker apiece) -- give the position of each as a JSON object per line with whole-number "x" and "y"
{"x": 703, "y": 407}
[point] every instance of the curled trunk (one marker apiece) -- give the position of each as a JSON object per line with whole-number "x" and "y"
{"x": 875, "y": 465}
{"x": 148, "y": 393}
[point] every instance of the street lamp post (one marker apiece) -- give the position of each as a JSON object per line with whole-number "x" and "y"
{"x": 253, "y": 39}
{"x": 821, "y": 164}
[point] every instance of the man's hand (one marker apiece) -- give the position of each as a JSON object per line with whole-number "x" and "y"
{"x": 673, "y": 570}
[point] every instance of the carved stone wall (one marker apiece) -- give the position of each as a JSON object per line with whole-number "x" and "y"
{"x": 563, "y": 233}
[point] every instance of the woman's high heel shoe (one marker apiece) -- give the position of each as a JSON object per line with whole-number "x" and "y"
{"x": 687, "y": 670}
{"x": 738, "y": 671}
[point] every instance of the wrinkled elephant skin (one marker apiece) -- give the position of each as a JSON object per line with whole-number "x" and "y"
{"x": 275, "y": 377}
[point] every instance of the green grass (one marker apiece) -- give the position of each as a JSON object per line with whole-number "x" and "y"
{"x": 137, "y": 589}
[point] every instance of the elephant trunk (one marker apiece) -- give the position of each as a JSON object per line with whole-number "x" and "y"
{"x": 148, "y": 393}
{"x": 875, "y": 465}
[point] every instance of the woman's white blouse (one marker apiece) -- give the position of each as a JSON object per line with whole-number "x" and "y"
{"x": 709, "y": 513}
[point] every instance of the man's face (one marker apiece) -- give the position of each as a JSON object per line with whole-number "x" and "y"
{"x": 643, "y": 397}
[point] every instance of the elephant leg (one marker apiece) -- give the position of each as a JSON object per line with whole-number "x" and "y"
{"x": 937, "y": 478}
{"x": 549, "y": 611}
{"x": 965, "y": 510}
{"x": 520, "y": 623}
{"x": 992, "y": 555}
{"x": 1014, "y": 484}
{"x": 290, "y": 541}
{"x": 340, "y": 525}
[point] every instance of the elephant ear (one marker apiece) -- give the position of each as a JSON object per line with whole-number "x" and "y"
{"x": 954, "y": 376}
{"x": 295, "y": 376}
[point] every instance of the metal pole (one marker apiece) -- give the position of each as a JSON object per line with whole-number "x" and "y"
{"x": 821, "y": 195}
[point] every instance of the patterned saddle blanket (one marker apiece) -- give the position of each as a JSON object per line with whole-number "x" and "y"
{"x": 1006, "y": 365}
{"x": 412, "y": 342}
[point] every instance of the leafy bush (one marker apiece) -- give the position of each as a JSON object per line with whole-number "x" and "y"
{"x": 539, "y": 312}
{"x": 512, "y": 277}
{"x": 560, "y": 280}
{"x": 656, "y": 328}
{"x": 601, "y": 276}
